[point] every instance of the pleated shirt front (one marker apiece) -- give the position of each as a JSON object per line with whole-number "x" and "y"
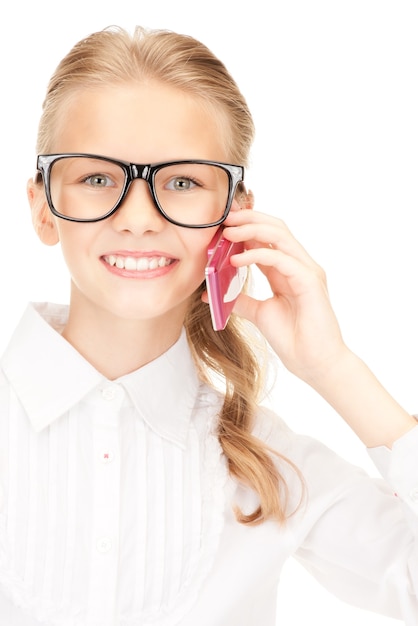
{"x": 116, "y": 505}
{"x": 113, "y": 505}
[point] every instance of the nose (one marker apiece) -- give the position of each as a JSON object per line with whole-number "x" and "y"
{"x": 138, "y": 213}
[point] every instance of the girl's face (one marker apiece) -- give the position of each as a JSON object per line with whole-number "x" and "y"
{"x": 145, "y": 123}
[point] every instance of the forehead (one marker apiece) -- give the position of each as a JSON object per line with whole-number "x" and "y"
{"x": 145, "y": 122}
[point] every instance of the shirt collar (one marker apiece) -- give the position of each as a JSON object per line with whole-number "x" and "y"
{"x": 164, "y": 391}
{"x": 39, "y": 364}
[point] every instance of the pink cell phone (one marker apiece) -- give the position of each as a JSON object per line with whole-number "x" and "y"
{"x": 223, "y": 281}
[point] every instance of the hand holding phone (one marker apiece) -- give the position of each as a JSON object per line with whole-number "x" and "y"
{"x": 223, "y": 281}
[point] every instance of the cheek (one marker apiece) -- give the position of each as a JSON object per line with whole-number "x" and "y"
{"x": 75, "y": 242}
{"x": 197, "y": 245}
{"x": 203, "y": 243}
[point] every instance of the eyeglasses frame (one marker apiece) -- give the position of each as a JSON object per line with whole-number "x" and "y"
{"x": 135, "y": 171}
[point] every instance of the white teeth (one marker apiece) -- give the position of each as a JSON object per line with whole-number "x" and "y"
{"x": 137, "y": 264}
{"x": 142, "y": 264}
{"x": 130, "y": 263}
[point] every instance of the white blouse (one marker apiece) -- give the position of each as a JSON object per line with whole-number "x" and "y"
{"x": 116, "y": 503}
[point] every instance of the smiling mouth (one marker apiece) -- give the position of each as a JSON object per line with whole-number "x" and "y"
{"x": 140, "y": 264}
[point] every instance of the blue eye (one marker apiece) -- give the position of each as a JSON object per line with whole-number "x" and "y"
{"x": 99, "y": 181}
{"x": 181, "y": 183}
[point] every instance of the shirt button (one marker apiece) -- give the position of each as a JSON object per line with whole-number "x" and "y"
{"x": 106, "y": 456}
{"x": 104, "y": 544}
{"x": 413, "y": 494}
{"x": 109, "y": 393}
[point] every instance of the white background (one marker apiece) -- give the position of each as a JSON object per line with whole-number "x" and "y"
{"x": 334, "y": 92}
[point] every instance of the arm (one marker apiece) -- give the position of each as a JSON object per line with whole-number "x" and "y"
{"x": 356, "y": 394}
{"x": 301, "y": 326}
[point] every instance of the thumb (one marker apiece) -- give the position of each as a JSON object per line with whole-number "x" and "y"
{"x": 246, "y": 307}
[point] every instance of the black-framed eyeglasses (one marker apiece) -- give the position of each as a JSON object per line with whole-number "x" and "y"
{"x": 89, "y": 187}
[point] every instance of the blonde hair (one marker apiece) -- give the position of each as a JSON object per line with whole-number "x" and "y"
{"x": 112, "y": 57}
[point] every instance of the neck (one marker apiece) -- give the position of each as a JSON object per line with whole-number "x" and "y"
{"x": 116, "y": 346}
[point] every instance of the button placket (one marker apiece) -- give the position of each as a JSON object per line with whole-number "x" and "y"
{"x": 104, "y": 545}
{"x": 105, "y": 531}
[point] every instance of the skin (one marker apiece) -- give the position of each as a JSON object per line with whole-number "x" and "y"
{"x": 141, "y": 315}
{"x": 301, "y": 326}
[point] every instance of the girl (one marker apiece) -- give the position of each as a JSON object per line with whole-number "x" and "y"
{"x": 142, "y": 481}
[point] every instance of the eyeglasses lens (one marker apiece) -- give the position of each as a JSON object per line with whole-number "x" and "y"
{"x": 188, "y": 193}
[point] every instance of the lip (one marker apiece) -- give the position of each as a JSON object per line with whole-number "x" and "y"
{"x": 136, "y": 264}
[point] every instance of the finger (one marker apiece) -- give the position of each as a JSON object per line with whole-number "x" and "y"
{"x": 249, "y": 215}
{"x": 267, "y": 258}
{"x": 270, "y": 233}
{"x": 286, "y": 274}
{"x": 247, "y": 307}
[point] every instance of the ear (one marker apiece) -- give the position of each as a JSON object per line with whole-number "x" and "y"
{"x": 248, "y": 200}
{"x": 244, "y": 199}
{"x": 42, "y": 219}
